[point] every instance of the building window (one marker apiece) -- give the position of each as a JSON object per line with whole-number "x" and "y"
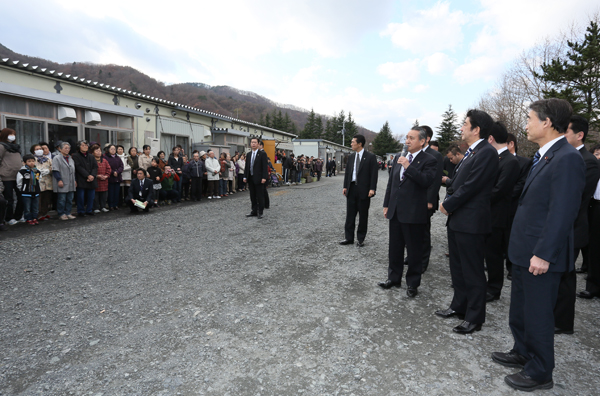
{"x": 99, "y": 136}
{"x": 13, "y": 105}
{"x": 28, "y": 133}
{"x": 62, "y": 133}
{"x": 124, "y": 139}
{"x": 41, "y": 109}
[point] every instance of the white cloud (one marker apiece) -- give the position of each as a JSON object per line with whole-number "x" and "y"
{"x": 482, "y": 68}
{"x": 438, "y": 63}
{"x": 401, "y": 73}
{"x": 420, "y": 88}
{"x": 435, "y": 29}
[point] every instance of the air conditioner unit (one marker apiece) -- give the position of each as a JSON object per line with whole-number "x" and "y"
{"x": 66, "y": 114}
{"x": 92, "y": 118}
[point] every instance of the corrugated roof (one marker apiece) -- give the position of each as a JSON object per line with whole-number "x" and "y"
{"x": 16, "y": 64}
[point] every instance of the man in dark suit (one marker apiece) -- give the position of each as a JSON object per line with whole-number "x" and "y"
{"x": 541, "y": 244}
{"x": 405, "y": 205}
{"x": 454, "y": 156}
{"x": 592, "y": 286}
{"x": 564, "y": 311}
{"x": 255, "y": 175}
{"x": 142, "y": 190}
{"x": 360, "y": 184}
{"x": 497, "y": 242}
{"x": 524, "y": 166}
{"x": 433, "y": 195}
{"x": 467, "y": 205}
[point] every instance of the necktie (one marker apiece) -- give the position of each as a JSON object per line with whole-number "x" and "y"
{"x": 469, "y": 151}
{"x": 356, "y": 161}
{"x": 252, "y": 163}
{"x": 410, "y": 160}
{"x": 536, "y": 159}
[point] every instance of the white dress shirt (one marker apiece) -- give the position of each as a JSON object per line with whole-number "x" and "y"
{"x": 503, "y": 149}
{"x": 357, "y": 159}
{"x": 544, "y": 149}
{"x": 414, "y": 155}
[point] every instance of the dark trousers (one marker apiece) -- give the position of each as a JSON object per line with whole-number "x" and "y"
{"x": 564, "y": 310}
{"x": 468, "y": 275}
{"x": 319, "y": 175}
{"x": 45, "y": 202}
{"x": 12, "y": 212}
{"x": 426, "y": 250}
{"x": 2, "y": 209}
{"x": 30, "y": 207}
{"x": 410, "y": 236}
{"x": 593, "y": 278}
{"x": 100, "y": 200}
{"x": 531, "y": 319}
{"x": 196, "y": 192}
{"x": 113, "y": 194}
{"x": 354, "y": 206}
{"x": 267, "y": 200}
{"x": 257, "y": 196}
{"x": 134, "y": 208}
{"x": 85, "y": 200}
{"x": 185, "y": 188}
{"x": 213, "y": 188}
{"x": 495, "y": 245}
{"x": 241, "y": 185}
{"x": 171, "y": 194}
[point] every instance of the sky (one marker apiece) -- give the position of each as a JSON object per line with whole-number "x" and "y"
{"x": 381, "y": 60}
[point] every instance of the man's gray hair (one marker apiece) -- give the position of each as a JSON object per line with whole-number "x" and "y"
{"x": 422, "y": 132}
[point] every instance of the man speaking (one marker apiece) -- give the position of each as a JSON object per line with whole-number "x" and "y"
{"x": 360, "y": 183}
{"x": 405, "y": 205}
{"x": 255, "y": 174}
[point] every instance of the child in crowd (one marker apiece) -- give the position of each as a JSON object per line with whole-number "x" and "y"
{"x": 28, "y": 183}
{"x": 155, "y": 174}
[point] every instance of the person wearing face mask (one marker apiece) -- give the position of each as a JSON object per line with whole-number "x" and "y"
{"x": 10, "y": 164}
{"x": 44, "y": 165}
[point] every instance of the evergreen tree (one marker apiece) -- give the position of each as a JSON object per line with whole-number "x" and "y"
{"x": 307, "y": 132}
{"x": 268, "y": 121}
{"x": 416, "y": 123}
{"x": 577, "y": 78}
{"x": 286, "y": 122}
{"x": 384, "y": 142}
{"x": 318, "y": 130}
{"x": 448, "y": 130}
{"x": 261, "y": 120}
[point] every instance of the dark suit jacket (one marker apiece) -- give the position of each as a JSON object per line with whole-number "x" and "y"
{"x": 85, "y": 165}
{"x": 147, "y": 191}
{"x": 433, "y": 193}
{"x": 471, "y": 189}
{"x": 592, "y": 174}
{"x": 543, "y": 225}
{"x": 409, "y": 198}
{"x": 366, "y": 177}
{"x": 524, "y": 166}
{"x": 261, "y": 167}
{"x": 508, "y": 174}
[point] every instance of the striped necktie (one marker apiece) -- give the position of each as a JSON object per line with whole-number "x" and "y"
{"x": 410, "y": 160}
{"x": 536, "y": 160}
{"x": 469, "y": 151}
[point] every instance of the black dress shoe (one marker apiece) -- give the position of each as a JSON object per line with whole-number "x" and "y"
{"x": 260, "y": 216}
{"x": 587, "y": 295}
{"x": 510, "y": 359}
{"x": 251, "y": 214}
{"x": 467, "y": 327}
{"x": 347, "y": 242}
{"x": 360, "y": 243}
{"x": 489, "y": 297}
{"x": 558, "y": 330}
{"x": 522, "y": 381}
{"x": 412, "y": 292}
{"x": 448, "y": 313}
{"x": 581, "y": 270}
{"x": 388, "y": 284}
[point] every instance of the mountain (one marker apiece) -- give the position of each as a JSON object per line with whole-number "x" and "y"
{"x": 245, "y": 105}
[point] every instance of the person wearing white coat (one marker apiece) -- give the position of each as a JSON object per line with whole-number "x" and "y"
{"x": 213, "y": 168}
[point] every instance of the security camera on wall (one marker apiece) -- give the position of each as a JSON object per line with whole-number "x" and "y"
{"x": 173, "y": 113}
{"x": 147, "y": 119}
{"x": 147, "y": 109}
{"x": 138, "y": 105}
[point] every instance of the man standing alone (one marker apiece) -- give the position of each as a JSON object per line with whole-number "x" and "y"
{"x": 360, "y": 183}
{"x": 255, "y": 175}
{"x": 541, "y": 244}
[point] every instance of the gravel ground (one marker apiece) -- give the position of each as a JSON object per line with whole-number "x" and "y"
{"x": 195, "y": 299}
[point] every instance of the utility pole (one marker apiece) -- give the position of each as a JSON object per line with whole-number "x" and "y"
{"x": 343, "y": 133}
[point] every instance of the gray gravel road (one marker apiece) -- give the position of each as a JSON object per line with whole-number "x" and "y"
{"x": 199, "y": 300}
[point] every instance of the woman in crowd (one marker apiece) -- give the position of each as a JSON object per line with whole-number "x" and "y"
{"x": 86, "y": 168}
{"x": 205, "y": 176}
{"x": 104, "y": 172}
{"x": 44, "y": 165}
{"x": 10, "y": 164}
{"x": 231, "y": 175}
{"x": 155, "y": 174}
{"x": 133, "y": 162}
{"x": 185, "y": 179}
{"x": 223, "y": 174}
{"x": 241, "y": 163}
{"x": 63, "y": 171}
{"x": 115, "y": 178}
{"x": 162, "y": 161}
{"x": 144, "y": 160}
{"x": 125, "y": 176}
{"x": 176, "y": 163}
{"x": 212, "y": 174}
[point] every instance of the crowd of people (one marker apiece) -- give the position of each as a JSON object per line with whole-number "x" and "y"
{"x": 99, "y": 179}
